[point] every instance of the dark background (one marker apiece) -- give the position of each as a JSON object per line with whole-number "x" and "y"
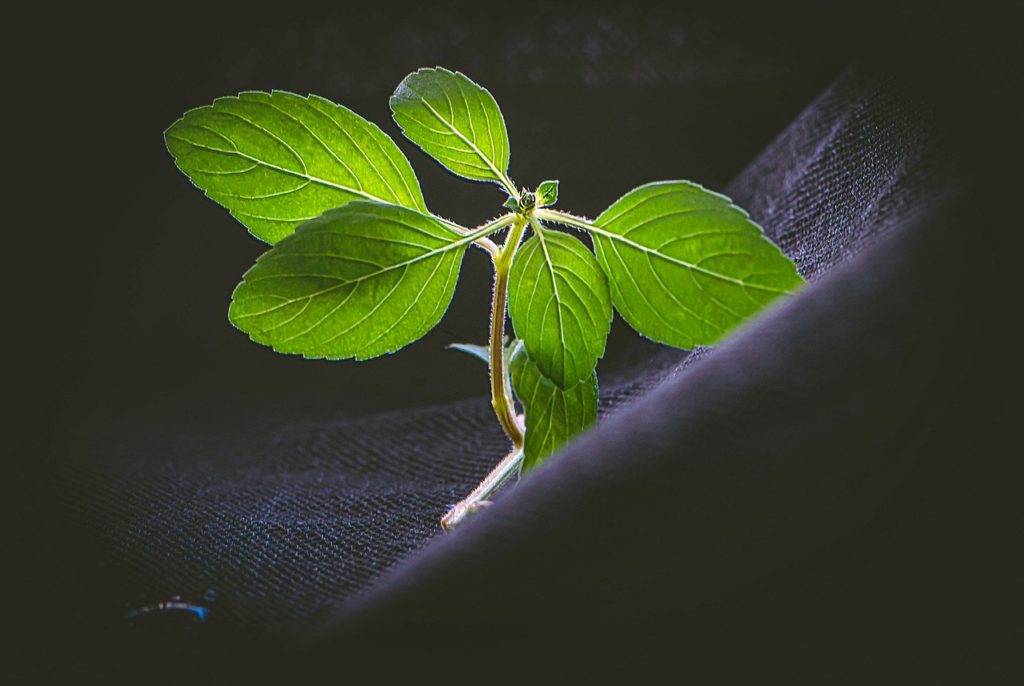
{"x": 123, "y": 271}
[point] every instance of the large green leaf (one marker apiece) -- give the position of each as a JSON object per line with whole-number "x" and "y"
{"x": 560, "y": 305}
{"x": 684, "y": 264}
{"x": 553, "y": 415}
{"x": 455, "y": 121}
{"x": 278, "y": 159}
{"x": 358, "y": 281}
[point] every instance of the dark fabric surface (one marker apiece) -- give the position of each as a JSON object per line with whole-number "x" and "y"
{"x": 826, "y": 490}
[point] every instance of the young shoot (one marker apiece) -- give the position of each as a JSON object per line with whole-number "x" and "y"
{"x": 359, "y": 266}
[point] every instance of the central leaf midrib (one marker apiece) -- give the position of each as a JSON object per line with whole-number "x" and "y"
{"x": 558, "y": 299}
{"x": 468, "y": 238}
{"x": 283, "y": 170}
{"x": 593, "y": 228}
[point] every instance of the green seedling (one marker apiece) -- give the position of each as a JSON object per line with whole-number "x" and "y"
{"x": 359, "y": 266}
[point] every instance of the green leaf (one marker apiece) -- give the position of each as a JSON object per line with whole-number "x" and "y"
{"x": 560, "y": 305}
{"x": 684, "y": 264}
{"x": 358, "y": 281}
{"x": 456, "y": 122}
{"x": 480, "y": 352}
{"x": 483, "y": 352}
{"x": 278, "y": 159}
{"x": 547, "y": 193}
{"x": 553, "y": 415}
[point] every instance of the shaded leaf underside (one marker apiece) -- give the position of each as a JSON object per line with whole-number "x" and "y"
{"x": 553, "y": 415}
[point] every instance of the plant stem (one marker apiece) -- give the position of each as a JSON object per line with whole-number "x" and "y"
{"x": 491, "y": 483}
{"x": 483, "y": 242}
{"x": 488, "y": 245}
{"x": 501, "y": 388}
{"x": 501, "y": 394}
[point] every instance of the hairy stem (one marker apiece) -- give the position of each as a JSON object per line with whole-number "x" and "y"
{"x": 482, "y": 242}
{"x": 488, "y": 245}
{"x": 501, "y": 394}
{"x": 501, "y": 388}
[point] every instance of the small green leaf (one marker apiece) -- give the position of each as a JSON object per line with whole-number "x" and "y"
{"x": 358, "y": 281}
{"x": 455, "y": 121}
{"x": 480, "y": 352}
{"x": 547, "y": 193}
{"x": 483, "y": 352}
{"x": 553, "y": 415}
{"x": 560, "y": 305}
{"x": 685, "y": 265}
{"x": 278, "y": 159}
